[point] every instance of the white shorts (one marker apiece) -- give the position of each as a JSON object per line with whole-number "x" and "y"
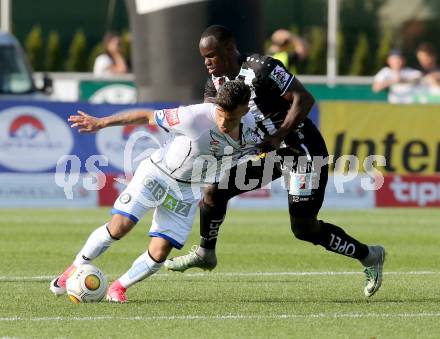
{"x": 174, "y": 203}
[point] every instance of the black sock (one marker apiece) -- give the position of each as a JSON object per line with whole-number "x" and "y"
{"x": 334, "y": 239}
{"x": 211, "y": 217}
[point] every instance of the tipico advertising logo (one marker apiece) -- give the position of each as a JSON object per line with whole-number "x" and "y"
{"x": 409, "y": 191}
{"x": 32, "y": 138}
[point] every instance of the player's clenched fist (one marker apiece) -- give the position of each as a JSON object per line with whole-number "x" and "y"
{"x": 85, "y": 123}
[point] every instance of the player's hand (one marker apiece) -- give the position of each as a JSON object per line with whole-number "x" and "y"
{"x": 85, "y": 123}
{"x": 270, "y": 143}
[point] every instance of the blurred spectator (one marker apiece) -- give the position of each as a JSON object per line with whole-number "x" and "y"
{"x": 395, "y": 73}
{"x": 288, "y": 48}
{"x": 427, "y": 57}
{"x": 112, "y": 61}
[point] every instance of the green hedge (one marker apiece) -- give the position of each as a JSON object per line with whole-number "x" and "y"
{"x": 46, "y": 55}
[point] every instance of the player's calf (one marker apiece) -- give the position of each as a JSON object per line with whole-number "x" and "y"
{"x": 212, "y": 215}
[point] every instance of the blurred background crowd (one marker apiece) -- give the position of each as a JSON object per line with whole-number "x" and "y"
{"x": 109, "y": 56}
{"x": 84, "y": 36}
{"x": 368, "y": 31}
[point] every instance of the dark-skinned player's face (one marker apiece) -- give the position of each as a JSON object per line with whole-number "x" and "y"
{"x": 215, "y": 56}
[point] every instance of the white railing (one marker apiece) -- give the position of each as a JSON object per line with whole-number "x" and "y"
{"x": 78, "y": 76}
{"x": 307, "y": 79}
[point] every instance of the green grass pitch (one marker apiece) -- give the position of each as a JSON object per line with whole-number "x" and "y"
{"x": 267, "y": 283}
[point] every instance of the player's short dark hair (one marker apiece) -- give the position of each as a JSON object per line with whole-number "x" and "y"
{"x": 233, "y": 94}
{"x": 220, "y": 33}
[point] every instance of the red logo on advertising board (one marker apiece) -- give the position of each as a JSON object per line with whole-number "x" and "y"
{"x": 409, "y": 191}
{"x": 111, "y": 190}
{"x": 172, "y": 116}
{"x": 28, "y": 125}
{"x": 32, "y": 132}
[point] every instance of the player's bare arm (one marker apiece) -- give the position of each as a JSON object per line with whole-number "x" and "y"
{"x": 89, "y": 124}
{"x": 301, "y": 104}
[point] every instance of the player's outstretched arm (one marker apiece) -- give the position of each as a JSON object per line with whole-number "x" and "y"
{"x": 89, "y": 124}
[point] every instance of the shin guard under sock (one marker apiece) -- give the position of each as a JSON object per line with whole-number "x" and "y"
{"x": 98, "y": 242}
{"x": 142, "y": 267}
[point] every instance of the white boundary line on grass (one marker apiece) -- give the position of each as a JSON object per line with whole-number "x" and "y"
{"x": 230, "y": 317}
{"x": 224, "y": 274}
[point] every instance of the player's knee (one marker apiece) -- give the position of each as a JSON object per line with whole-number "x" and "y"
{"x": 159, "y": 249}
{"x": 306, "y": 229}
{"x": 213, "y": 196}
{"x": 119, "y": 226}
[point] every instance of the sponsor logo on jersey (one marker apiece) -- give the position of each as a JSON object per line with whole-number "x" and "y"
{"x": 160, "y": 117}
{"x": 29, "y": 132}
{"x": 280, "y": 76}
{"x": 172, "y": 116}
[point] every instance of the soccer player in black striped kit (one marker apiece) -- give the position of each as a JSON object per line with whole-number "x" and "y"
{"x": 280, "y": 105}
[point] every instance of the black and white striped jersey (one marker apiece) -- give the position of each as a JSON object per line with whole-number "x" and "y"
{"x": 269, "y": 80}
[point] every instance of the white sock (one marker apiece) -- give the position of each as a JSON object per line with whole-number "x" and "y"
{"x": 97, "y": 243}
{"x": 142, "y": 267}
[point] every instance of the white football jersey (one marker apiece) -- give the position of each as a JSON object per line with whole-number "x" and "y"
{"x": 198, "y": 152}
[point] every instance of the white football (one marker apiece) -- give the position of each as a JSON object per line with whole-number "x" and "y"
{"x": 86, "y": 284}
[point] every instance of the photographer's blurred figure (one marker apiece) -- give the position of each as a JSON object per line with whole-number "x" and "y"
{"x": 427, "y": 58}
{"x": 395, "y": 72}
{"x": 288, "y": 48}
{"x": 112, "y": 61}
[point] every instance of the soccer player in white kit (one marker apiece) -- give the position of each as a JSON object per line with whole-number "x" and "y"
{"x": 207, "y": 139}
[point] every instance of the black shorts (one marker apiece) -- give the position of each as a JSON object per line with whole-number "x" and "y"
{"x": 303, "y": 165}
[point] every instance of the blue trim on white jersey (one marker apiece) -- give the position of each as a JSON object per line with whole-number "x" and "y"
{"x": 159, "y": 119}
{"x": 125, "y": 214}
{"x": 166, "y": 237}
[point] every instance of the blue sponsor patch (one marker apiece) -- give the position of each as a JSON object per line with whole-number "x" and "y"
{"x": 159, "y": 117}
